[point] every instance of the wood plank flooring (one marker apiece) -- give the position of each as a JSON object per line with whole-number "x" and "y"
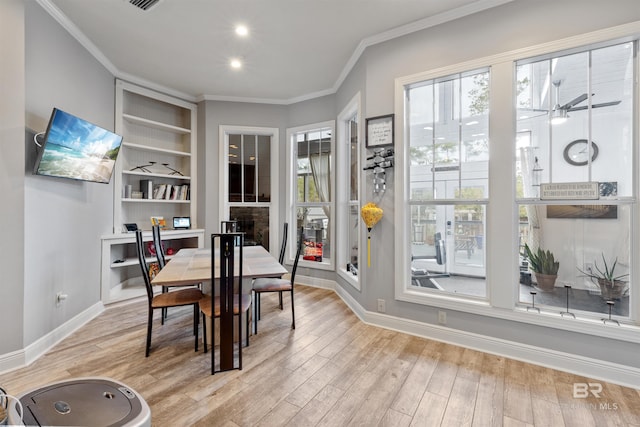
{"x": 332, "y": 370}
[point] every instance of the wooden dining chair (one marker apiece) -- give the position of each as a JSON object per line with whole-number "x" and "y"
{"x": 267, "y": 284}
{"x": 238, "y": 309}
{"x": 159, "y": 249}
{"x": 218, "y": 306}
{"x": 177, "y": 298}
{"x": 283, "y": 250}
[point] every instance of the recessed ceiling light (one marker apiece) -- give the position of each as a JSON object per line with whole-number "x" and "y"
{"x": 242, "y": 30}
{"x": 236, "y": 63}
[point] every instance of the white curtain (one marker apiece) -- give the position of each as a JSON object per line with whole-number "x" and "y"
{"x": 321, "y": 171}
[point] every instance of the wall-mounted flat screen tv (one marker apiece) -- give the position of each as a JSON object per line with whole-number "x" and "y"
{"x": 74, "y": 148}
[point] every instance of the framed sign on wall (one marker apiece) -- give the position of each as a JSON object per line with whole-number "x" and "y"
{"x": 379, "y": 131}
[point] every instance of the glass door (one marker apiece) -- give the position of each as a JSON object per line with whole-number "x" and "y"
{"x": 248, "y": 164}
{"x": 462, "y": 227}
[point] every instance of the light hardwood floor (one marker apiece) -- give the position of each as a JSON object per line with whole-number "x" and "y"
{"x": 333, "y": 370}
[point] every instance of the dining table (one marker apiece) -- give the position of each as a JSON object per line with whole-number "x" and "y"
{"x": 193, "y": 265}
{"x": 190, "y": 266}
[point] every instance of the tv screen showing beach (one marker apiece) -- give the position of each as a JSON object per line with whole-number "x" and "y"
{"x": 76, "y": 149}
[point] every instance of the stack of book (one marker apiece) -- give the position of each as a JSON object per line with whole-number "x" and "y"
{"x": 164, "y": 191}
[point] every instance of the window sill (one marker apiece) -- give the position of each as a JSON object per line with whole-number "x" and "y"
{"x": 315, "y": 264}
{"x": 349, "y": 278}
{"x": 551, "y": 319}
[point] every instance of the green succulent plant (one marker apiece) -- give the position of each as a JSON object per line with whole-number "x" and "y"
{"x": 541, "y": 261}
{"x": 606, "y": 273}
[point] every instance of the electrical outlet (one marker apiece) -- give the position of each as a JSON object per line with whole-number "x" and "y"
{"x": 442, "y": 317}
{"x": 381, "y": 306}
{"x": 60, "y": 297}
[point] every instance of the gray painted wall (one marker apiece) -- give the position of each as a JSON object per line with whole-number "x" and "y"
{"x": 12, "y": 154}
{"x": 64, "y": 219}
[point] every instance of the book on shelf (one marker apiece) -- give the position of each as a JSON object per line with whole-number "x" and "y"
{"x": 159, "y": 220}
{"x": 184, "y": 192}
{"x": 158, "y": 191}
{"x": 174, "y": 192}
{"x": 146, "y": 188}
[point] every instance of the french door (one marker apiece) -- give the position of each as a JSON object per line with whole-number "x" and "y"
{"x": 462, "y": 227}
{"x": 249, "y": 183}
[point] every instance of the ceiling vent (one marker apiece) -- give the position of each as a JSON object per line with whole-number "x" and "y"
{"x": 144, "y": 4}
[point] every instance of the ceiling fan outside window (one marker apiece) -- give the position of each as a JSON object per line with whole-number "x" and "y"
{"x": 559, "y": 114}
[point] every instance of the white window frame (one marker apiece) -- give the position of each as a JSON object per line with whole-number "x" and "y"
{"x": 343, "y": 158}
{"x": 291, "y": 192}
{"x": 502, "y": 216}
{"x": 274, "y": 214}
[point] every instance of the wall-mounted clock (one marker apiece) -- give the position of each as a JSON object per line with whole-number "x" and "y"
{"x": 577, "y": 152}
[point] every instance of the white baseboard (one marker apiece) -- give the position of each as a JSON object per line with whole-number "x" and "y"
{"x": 21, "y": 358}
{"x": 11, "y": 361}
{"x": 591, "y": 368}
{"x": 316, "y": 282}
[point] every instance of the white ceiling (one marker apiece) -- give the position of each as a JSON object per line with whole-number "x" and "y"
{"x": 296, "y": 49}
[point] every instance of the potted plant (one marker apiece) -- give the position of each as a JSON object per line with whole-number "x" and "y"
{"x": 612, "y": 286}
{"x": 544, "y": 266}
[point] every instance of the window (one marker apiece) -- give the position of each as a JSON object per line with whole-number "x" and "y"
{"x": 249, "y": 168}
{"x": 575, "y": 126}
{"x": 447, "y": 131}
{"x": 311, "y": 189}
{"x": 348, "y": 203}
{"x": 249, "y": 157}
{"x": 562, "y": 121}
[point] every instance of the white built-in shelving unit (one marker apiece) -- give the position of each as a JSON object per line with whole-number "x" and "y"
{"x": 159, "y": 134}
{"x": 121, "y": 276}
{"x": 158, "y": 147}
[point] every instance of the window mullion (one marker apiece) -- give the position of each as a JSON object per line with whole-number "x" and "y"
{"x": 242, "y": 194}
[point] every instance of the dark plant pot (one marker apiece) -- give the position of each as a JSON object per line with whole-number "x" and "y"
{"x": 610, "y": 290}
{"x": 546, "y": 282}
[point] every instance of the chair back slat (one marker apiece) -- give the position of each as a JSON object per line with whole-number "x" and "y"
{"x": 144, "y": 267}
{"x": 228, "y": 226}
{"x": 283, "y": 247}
{"x": 297, "y": 258}
{"x": 157, "y": 243}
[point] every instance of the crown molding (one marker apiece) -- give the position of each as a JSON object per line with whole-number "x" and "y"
{"x": 75, "y": 32}
{"x": 403, "y": 30}
{"x": 419, "y": 25}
